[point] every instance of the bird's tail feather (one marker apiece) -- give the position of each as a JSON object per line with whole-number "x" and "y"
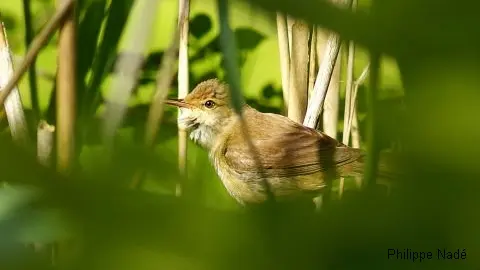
{"x": 388, "y": 169}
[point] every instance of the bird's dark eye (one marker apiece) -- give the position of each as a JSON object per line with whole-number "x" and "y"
{"x": 209, "y": 104}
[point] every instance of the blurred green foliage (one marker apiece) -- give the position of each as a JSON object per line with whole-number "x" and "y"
{"x": 118, "y": 228}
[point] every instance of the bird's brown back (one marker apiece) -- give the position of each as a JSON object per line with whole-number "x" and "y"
{"x": 285, "y": 147}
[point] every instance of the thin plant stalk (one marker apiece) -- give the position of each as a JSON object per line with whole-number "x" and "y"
{"x": 353, "y": 101}
{"x": 352, "y": 121}
{"x": 17, "y": 60}
{"x": 321, "y": 41}
{"x": 330, "y": 114}
{"x": 66, "y": 92}
{"x": 13, "y": 105}
{"x": 229, "y": 49}
{"x": 298, "y": 80}
{"x": 283, "y": 48}
{"x": 45, "y": 142}
{"x": 183, "y": 85}
{"x": 155, "y": 113}
{"x": 348, "y": 94}
{"x": 349, "y": 86}
{"x": 355, "y": 131}
{"x": 322, "y": 82}
{"x": 322, "y": 37}
{"x": 371, "y": 165}
{"x": 32, "y": 72}
{"x": 164, "y": 80}
{"x": 356, "y": 141}
{"x": 40, "y": 40}
{"x": 317, "y": 100}
{"x": 65, "y": 107}
{"x": 127, "y": 68}
{"x": 119, "y": 13}
{"x": 329, "y": 64}
{"x": 290, "y": 22}
{"x": 312, "y": 64}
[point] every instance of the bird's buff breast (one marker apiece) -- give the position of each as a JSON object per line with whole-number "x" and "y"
{"x": 241, "y": 189}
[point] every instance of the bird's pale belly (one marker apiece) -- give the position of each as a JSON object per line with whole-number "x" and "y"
{"x": 248, "y": 188}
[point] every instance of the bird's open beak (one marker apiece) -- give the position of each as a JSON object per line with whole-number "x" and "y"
{"x": 178, "y": 103}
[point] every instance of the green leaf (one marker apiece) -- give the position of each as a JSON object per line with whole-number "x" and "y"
{"x": 107, "y": 51}
{"x": 14, "y": 197}
{"x": 89, "y": 34}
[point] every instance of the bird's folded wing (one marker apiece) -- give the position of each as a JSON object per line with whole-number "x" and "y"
{"x": 285, "y": 148}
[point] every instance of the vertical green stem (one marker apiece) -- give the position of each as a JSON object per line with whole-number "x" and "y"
{"x": 372, "y": 142}
{"x": 227, "y": 40}
{"x": 229, "y": 49}
{"x": 32, "y": 74}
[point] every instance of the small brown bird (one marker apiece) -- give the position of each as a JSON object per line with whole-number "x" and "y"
{"x": 295, "y": 159}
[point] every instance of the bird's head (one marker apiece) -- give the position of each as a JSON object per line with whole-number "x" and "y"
{"x": 205, "y": 111}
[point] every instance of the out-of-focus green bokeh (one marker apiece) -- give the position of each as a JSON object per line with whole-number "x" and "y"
{"x": 433, "y": 45}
